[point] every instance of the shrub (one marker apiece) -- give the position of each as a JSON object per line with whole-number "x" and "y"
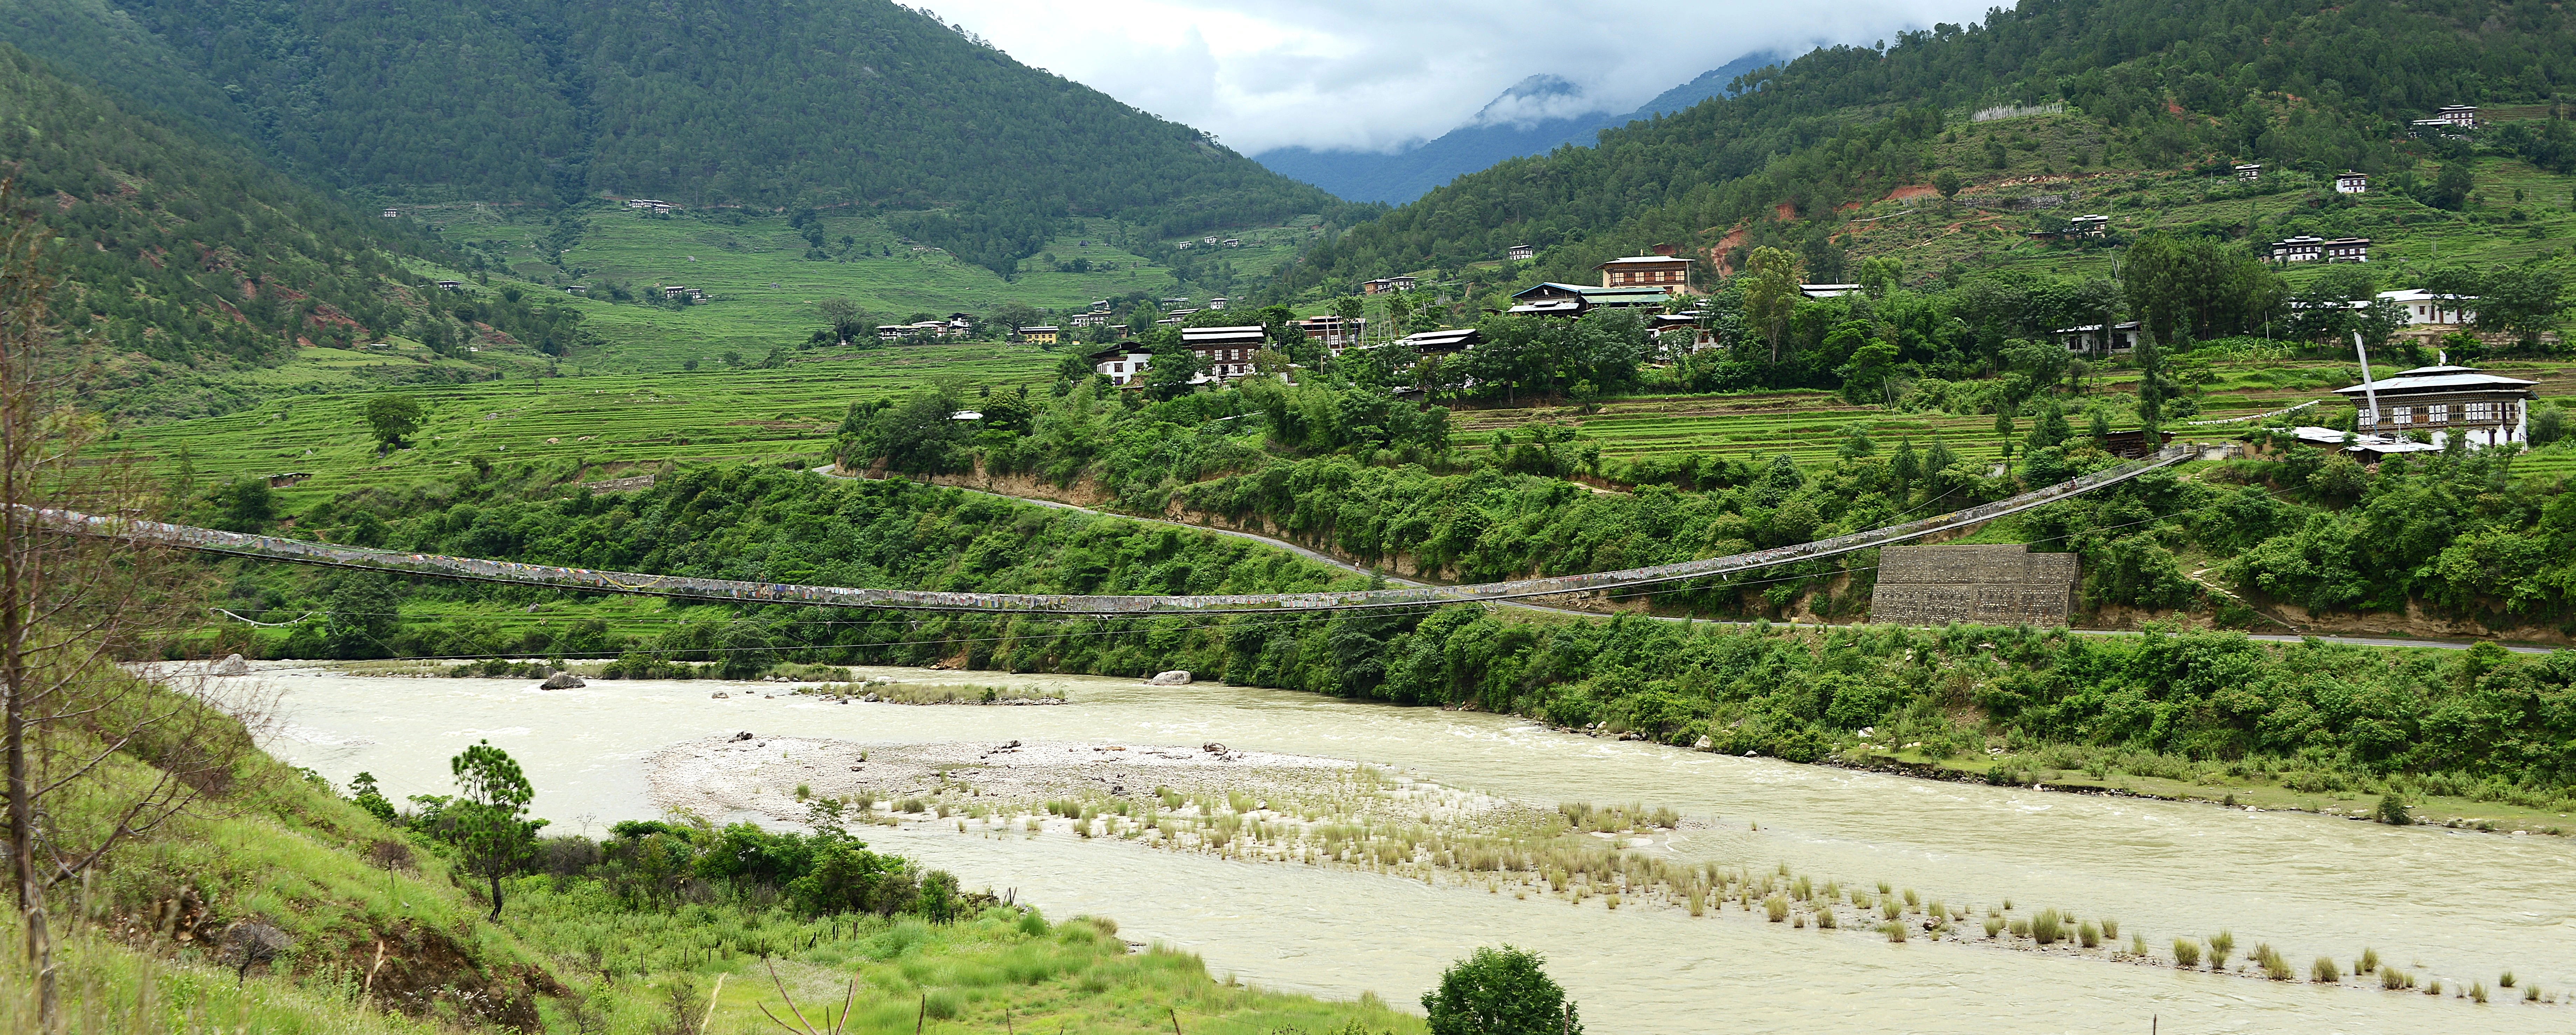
{"x": 2392, "y": 811}
{"x": 2186, "y": 953}
{"x": 1777, "y": 908}
{"x": 2323, "y": 971}
{"x": 2089, "y": 935}
{"x": 2044, "y": 927}
{"x": 2390, "y": 979}
{"x": 2221, "y": 946}
{"x": 1499, "y": 991}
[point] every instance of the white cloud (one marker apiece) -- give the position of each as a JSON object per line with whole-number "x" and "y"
{"x": 1373, "y": 76}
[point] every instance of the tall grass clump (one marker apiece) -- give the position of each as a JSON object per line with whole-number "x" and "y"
{"x": 2110, "y": 929}
{"x": 2044, "y": 927}
{"x": 2323, "y": 971}
{"x": 2186, "y": 953}
{"x": 2505, "y": 981}
{"x": 1895, "y": 931}
{"x": 2369, "y": 961}
{"x": 1776, "y": 907}
{"x": 2274, "y": 966}
{"x": 2433, "y": 987}
{"x": 2137, "y": 944}
{"x": 2390, "y": 979}
{"x": 2088, "y": 934}
{"x": 2221, "y": 946}
{"x": 2531, "y": 993}
{"x": 2478, "y": 992}
{"x": 1994, "y": 926}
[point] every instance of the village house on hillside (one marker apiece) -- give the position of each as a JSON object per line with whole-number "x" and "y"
{"x": 1520, "y": 251}
{"x": 1386, "y": 285}
{"x": 1120, "y": 365}
{"x": 1332, "y": 332}
{"x": 2489, "y": 409}
{"x": 2352, "y": 183}
{"x": 1669, "y": 272}
{"x": 1224, "y": 353}
{"x": 1550, "y": 298}
{"x": 1039, "y": 335}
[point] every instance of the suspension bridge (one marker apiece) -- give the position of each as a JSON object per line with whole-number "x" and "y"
{"x": 297, "y": 551}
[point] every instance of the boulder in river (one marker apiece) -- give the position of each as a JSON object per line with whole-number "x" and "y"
{"x": 1175, "y": 677}
{"x": 1702, "y": 744}
{"x": 234, "y": 666}
{"x": 721, "y": 695}
{"x": 563, "y": 681}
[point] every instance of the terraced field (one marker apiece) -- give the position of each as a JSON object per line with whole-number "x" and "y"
{"x": 763, "y": 278}
{"x": 1810, "y": 425}
{"x": 606, "y": 422}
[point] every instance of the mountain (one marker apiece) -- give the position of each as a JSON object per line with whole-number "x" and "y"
{"x": 863, "y": 105}
{"x": 190, "y": 264}
{"x": 2156, "y": 86}
{"x": 1527, "y": 119}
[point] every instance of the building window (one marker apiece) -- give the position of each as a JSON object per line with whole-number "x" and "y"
{"x": 2368, "y": 418}
{"x": 2438, "y": 413}
{"x": 2403, "y": 415}
{"x": 2481, "y": 412}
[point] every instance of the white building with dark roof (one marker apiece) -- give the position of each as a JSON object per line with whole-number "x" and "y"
{"x": 1225, "y": 353}
{"x": 2444, "y": 400}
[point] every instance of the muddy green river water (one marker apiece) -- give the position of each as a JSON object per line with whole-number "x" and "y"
{"x": 2458, "y": 906}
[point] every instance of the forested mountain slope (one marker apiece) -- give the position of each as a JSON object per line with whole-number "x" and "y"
{"x": 2298, "y": 83}
{"x": 766, "y": 103}
{"x": 184, "y": 259}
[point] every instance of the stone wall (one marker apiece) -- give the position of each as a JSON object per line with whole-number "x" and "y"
{"x": 1981, "y": 584}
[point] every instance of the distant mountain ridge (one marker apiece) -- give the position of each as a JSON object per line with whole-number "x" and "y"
{"x": 1494, "y": 135}
{"x": 773, "y": 104}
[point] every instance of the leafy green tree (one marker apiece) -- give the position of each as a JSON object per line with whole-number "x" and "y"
{"x": 489, "y": 815}
{"x": 1500, "y": 991}
{"x": 1947, "y": 182}
{"x": 249, "y": 506}
{"x": 369, "y": 799}
{"x": 1770, "y": 294}
{"x": 392, "y": 418}
{"x": 2521, "y": 301}
{"x": 2451, "y": 189}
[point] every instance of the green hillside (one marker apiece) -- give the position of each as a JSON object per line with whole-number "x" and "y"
{"x": 2150, "y": 89}
{"x": 768, "y": 104}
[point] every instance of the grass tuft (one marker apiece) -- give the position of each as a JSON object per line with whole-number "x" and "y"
{"x": 2324, "y": 972}
{"x": 2186, "y": 953}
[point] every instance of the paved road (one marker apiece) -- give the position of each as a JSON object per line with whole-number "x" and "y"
{"x": 1321, "y": 557}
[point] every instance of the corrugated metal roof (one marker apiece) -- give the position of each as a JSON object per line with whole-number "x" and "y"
{"x": 2428, "y": 378}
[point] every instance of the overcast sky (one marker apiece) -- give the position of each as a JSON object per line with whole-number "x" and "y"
{"x": 1373, "y": 75}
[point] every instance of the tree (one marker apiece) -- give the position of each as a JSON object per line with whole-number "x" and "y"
{"x": 2451, "y": 188}
{"x": 393, "y": 418}
{"x": 1948, "y": 183}
{"x": 1500, "y": 991}
{"x": 96, "y": 755}
{"x": 2521, "y": 301}
{"x": 1770, "y": 294}
{"x": 490, "y": 815}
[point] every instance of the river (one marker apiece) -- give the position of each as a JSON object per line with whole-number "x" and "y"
{"x": 2460, "y": 906}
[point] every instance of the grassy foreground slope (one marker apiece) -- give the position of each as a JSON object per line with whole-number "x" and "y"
{"x": 379, "y": 930}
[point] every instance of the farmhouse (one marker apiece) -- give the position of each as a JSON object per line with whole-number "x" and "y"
{"x": 1386, "y": 285}
{"x": 1224, "y": 352}
{"x": 1091, "y": 319}
{"x": 393, "y": 213}
{"x": 1669, "y": 272}
{"x": 576, "y": 289}
{"x": 1520, "y": 251}
{"x": 2444, "y": 400}
{"x": 2352, "y": 183}
{"x": 2432, "y": 311}
{"x": 2302, "y": 248}
{"x": 451, "y": 285}
{"x": 1828, "y": 290}
{"x": 2249, "y": 171}
{"x": 1121, "y": 366}
{"x": 2348, "y": 249}
{"x": 1039, "y": 335}
{"x": 1333, "y": 332}
{"x": 2091, "y": 339}
{"x": 1217, "y": 303}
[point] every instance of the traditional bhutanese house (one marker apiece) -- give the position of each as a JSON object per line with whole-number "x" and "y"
{"x": 2094, "y": 339}
{"x": 2133, "y": 445}
{"x": 2464, "y": 116}
{"x": 1443, "y": 343}
{"x": 1828, "y": 290}
{"x": 1520, "y": 251}
{"x": 1121, "y": 366}
{"x": 2303, "y": 248}
{"x": 1094, "y": 319}
{"x": 1385, "y": 285}
{"x": 393, "y": 213}
{"x": 2088, "y": 225}
{"x": 1224, "y": 352}
{"x": 451, "y": 285}
{"x": 2348, "y": 249}
{"x": 1219, "y": 302}
{"x": 1668, "y": 272}
{"x": 1039, "y": 335}
{"x": 2249, "y": 171}
{"x": 2445, "y": 400}
{"x": 576, "y": 289}
{"x": 1333, "y": 332}
{"x": 2352, "y": 183}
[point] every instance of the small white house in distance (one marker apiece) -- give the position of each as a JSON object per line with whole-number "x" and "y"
{"x": 1121, "y": 365}
{"x": 1828, "y": 290}
{"x": 451, "y": 285}
{"x": 2249, "y": 171}
{"x": 2088, "y": 225}
{"x": 2425, "y": 307}
{"x": 393, "y": 213}
{"x": 2352, "y": 183}
{"x": 1216, "y": 303}
{"x": 1521, "y": 251}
